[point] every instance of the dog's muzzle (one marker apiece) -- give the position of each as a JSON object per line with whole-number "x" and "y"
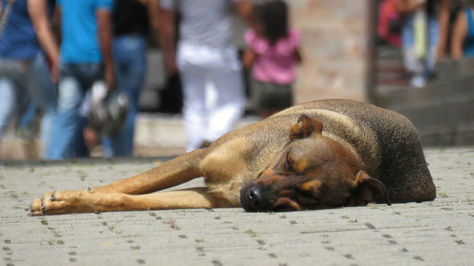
{"x": 255, "y": 199}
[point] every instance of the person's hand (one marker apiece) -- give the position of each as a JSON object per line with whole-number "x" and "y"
{"x": 171, "y": 66}
{"x": 91, "y": 137}
{"x": 53, "y": 67}
{"x": 54, "y": 71}
{"x": 109, "y": 77}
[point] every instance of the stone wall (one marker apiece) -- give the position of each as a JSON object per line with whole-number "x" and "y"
{"x": 334, "y": 40}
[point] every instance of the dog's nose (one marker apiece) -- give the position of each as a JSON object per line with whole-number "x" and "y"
{"x": 252, "y": 199}
{"x": 254, "y": 194}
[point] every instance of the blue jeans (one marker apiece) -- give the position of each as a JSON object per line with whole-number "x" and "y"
{"x": 67, "y": 126}
{"x": 130, "y": 59}
{"x": 419, "y": 66}
{"x": 13, "y": 89}
{"x": 28, "y": 115}
{"x": 26, "y": 79}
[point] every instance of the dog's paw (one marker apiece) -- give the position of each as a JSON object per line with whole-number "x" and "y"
{"x": 36, "y": 207}
{"x": 56, "y": 203}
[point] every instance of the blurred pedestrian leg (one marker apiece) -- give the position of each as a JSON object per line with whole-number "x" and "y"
{"x": 43, "y": 93}
{"x": 130, "y": 60}
{"x": 66, "y": 129}
{"x": 8, "y": 102}
{"x": 203, "y": 69}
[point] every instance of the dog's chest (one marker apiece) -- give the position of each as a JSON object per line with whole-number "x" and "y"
{"x": 225, "y": 163}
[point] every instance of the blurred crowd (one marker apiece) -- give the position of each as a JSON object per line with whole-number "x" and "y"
{"x": 427, "y": 31}
{"x": 82, "y": 64}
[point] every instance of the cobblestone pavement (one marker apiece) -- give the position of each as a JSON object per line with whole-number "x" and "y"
{"x": 431, "y": 233}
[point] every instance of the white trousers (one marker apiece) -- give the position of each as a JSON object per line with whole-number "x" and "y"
{"x": 213, "y": 92}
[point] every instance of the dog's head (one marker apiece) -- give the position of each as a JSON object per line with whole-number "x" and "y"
{"x": 312, "y": 172}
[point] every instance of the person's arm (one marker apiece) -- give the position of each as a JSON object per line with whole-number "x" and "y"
{"x": 57, "y": 23}
{"x": 245, "y": 11}
{"x": 104, "y": 23}
{"x": 248, "y": 58}
{"x": 405, "y": 6}
{"x": 37, "y": 10}
{"x": 299, "y": 56}
{"x": 154, "y": 17}
{"x": 443, "y": 29}
{"x": 167, "y": 39}
{"x": 458, "y": 36}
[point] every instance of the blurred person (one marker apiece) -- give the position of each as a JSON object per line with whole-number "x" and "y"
{"x": 207, "y": 60}
{"x": 444, "y": 25}
{"x": 86, "y": 57}
{"x": 390, "y": 22}
{"x": 462, "y": 42}
{"x": 273, "y": 51}
{"x": 25, "y": 29}
{"x": 26, "y": 121}
{"x": 447, "y": 15}
{"x": 131, "y": 26}
{"x": 420, "y": 35}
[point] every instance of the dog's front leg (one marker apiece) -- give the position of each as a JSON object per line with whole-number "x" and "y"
{"x": 171, "y": 173}
{"x": 62, "y": 202}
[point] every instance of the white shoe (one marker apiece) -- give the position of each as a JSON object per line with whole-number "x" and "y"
{"x": 417, "y": 82}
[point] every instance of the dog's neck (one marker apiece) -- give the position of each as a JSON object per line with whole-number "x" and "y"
{"x": 347, "y": 146}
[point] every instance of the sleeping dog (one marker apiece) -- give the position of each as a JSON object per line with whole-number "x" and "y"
{"x": 316, "y": 155}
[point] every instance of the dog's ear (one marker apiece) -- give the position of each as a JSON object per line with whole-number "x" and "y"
{"x": 305, "y": 127}
{"x": 368, "y": 189}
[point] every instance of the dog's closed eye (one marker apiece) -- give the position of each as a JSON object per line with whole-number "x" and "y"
{"x": 288, "y": 162}
{"x": 288, "y": 165}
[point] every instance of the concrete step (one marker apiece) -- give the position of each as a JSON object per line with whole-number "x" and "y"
{"x": 166, "y": 132}
{"x": 443, "y": 110}
{"x": 434, "y": 92}
{"x": 449, "y": 69}
{"x": 388, "y": 52}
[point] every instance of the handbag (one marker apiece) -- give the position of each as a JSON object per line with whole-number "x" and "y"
{"x": 108, "y": 110}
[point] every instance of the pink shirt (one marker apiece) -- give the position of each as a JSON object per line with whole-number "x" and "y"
{"x": 275, "y": 63}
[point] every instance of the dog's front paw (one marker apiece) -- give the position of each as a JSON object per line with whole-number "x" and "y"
{"x": 36, "y": 207}
{"x": 58, "y": 202}
{"x": 39, "y": 206}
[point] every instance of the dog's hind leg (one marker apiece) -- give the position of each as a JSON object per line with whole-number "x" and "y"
{"x": 171, "y": 173}
{"x": 62, "y": 202}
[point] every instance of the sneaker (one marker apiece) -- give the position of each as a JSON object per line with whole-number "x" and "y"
{"x": 417, "y": 82}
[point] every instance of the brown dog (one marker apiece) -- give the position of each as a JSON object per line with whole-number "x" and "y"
{"x": 321, "y": 154}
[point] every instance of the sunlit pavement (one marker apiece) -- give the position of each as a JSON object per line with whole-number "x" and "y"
{"x": 430, "y": 233}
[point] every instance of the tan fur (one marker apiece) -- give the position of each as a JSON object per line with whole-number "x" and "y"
{"x": 309, "y": 170}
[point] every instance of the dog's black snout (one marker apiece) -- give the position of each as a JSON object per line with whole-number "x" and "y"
{"x": 253, "y": 199}
{"x": 254, "y": 194}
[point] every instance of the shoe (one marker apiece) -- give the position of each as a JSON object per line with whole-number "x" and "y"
{"x": 417, "y": 82}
